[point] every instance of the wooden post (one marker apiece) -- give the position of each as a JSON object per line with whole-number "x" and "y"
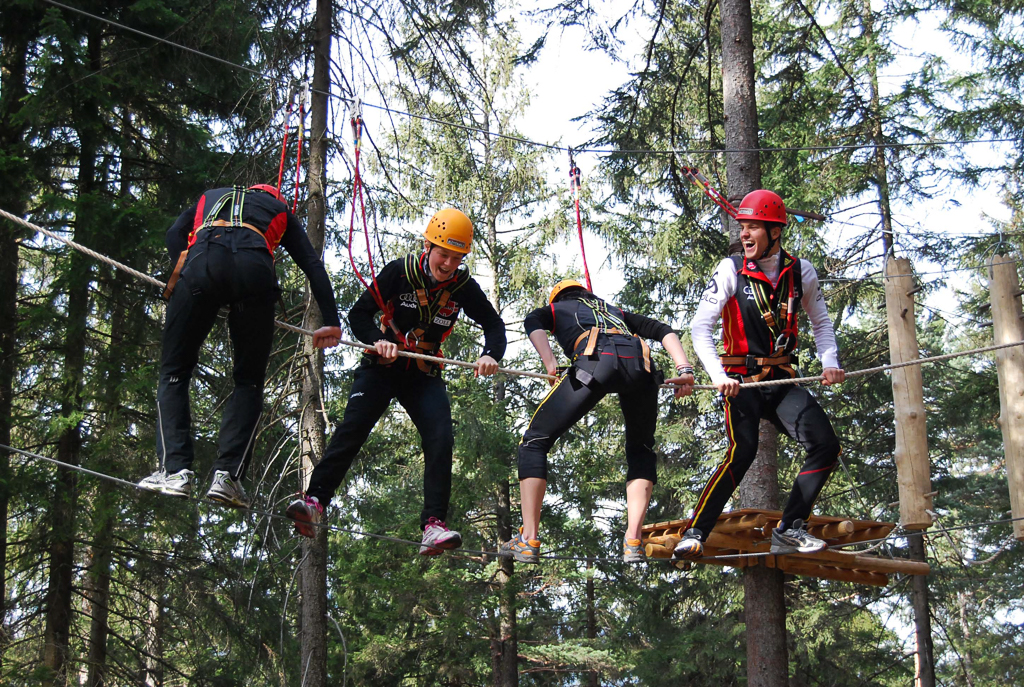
{"x": 1008, "y": 327}
{"x": 912, "y": 465}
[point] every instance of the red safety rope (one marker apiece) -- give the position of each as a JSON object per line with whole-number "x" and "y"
{"x": 287, "y": 126}
{"x": 575, "y": 184}
{"x": 710, "y": 191}
{"x": 357, "y": 195}
{"x": 303, "y": 99}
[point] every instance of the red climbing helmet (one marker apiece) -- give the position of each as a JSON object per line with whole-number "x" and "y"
{"x": 763, "y": 205}
{"x": 267, "y": 188}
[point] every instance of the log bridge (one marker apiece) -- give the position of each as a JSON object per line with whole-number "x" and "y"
{"x": 749, "y": 530}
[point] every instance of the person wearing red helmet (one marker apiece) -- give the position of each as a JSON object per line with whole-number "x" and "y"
{"x": 224, "y": 246}
{"x": 609, "y": 355}
{"x": 758, "y": 296}
{"x": 419, "y": 300}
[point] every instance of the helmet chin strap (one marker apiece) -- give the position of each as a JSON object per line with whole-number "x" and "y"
{"x": 771, "y": 244}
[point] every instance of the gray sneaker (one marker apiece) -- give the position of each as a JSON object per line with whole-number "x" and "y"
{"x": 690, "y": 547}
{"x": 633, "y": 551}
{"x": 796, "y": 540}
{"x": 227, "y": 491}
{"x": 177, "y": 484}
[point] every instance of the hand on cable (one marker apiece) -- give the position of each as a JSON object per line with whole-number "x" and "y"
{"x": 833, "y": 375}
{"x": 552, "y": 369}
{"x": 387, "y": 350}
{"x": 728, "y": 387}
{"x": 684, "y": 383}
{"x": 486, "y": 366}
{"x": 326, "y": 337}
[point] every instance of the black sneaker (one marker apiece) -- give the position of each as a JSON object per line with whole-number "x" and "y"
{"x": 796, "y": 539}
{"x": 690, "y": 547}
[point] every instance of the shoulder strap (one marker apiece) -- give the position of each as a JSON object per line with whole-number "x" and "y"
{"x": 737, "y": 262}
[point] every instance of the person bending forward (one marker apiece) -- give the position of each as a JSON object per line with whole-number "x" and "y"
{"x": 609, "y": 355}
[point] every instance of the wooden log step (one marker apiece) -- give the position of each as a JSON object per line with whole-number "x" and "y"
{"x": 831, "y": 573}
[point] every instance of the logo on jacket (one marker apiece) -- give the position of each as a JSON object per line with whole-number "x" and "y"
{"x": 748, "y": 290}
{"x": 751, "y": 265}
{"x": 450, "y": 308}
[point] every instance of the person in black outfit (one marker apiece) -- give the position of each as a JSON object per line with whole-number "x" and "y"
{"x": 609, "y": 355}
{"x": 224, "y": 247}
{"x": 420, "y": 298}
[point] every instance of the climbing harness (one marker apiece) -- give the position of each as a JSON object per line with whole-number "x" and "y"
{"x": 607, "y": 323}
{"x": 779, "y": 314}
{"x": 236, "y": 199}
{"x": 575, "y": 186}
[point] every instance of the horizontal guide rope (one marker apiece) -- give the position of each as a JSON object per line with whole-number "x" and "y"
{"x": 520, "y": 139}
{"x": 462, "y": 552}
{"x": 521, "y": 373}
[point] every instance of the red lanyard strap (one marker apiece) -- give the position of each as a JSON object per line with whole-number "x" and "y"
{"x": 575, "y": 184}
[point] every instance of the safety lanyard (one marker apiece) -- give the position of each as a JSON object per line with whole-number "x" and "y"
{"x": 575, "y": 186}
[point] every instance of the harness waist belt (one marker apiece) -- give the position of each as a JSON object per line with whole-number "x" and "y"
{"x": 176, "y": 274}
{"x": 750, "y": 363}
{"x": 591, "y": 338}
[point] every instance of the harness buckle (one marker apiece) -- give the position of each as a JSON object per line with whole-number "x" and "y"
{"x": 751, "y": 364}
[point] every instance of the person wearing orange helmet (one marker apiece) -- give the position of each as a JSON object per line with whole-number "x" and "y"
{"x": 224, "y": 247}
{"x": 758, "y": 296}
{"x": 419, "y": 300}
{"x": 609, "y": 355}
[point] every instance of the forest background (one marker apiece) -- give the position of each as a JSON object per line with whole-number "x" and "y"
{"x": 106, "y": 135}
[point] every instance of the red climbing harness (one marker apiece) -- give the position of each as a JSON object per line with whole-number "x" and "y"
{"x": 575, "y": 184}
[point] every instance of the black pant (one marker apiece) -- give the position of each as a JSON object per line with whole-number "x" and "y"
{"x": 214, "y": 277}
{"x": 794, "y": 411}
{"x": 425, "y": 398}
{"x": 571, "y": 399}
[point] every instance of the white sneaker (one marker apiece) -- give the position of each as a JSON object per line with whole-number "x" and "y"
{"x": 177, "y": 484}
{"x": 227, "y": 491}
{"x": 796, "y": 539}
{"x": 437, "y": 538}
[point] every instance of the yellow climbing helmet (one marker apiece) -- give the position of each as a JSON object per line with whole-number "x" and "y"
{"x": 562, "y": 286}
{"x": 451, "y": 229}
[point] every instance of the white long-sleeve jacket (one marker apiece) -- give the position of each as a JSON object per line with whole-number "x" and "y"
{"x": 722, "y": 287}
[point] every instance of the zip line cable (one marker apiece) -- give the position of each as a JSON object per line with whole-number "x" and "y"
{"x": 522, "y": 373}
{"x": 520, "y": 139}
{"x": 461, "y": 552}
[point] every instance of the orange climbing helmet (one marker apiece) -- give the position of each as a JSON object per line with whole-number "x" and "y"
{"x": 763, "y": 205}
{"x": 267, "y": 188}
{"x": 562, "y": 286}
{"x": 451, "y": 229}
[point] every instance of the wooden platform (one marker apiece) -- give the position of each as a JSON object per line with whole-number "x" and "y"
{"x": 749, "y": 530}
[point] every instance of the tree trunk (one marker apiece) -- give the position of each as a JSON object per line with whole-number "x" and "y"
{"x": 19, "y": 27}
{"x": 506, "y": 648}
{"x": 924, "y": 658}
{"x": 764, "y": 600}
{"x": 313, "y": 570}
{"x": 57, "y": 632}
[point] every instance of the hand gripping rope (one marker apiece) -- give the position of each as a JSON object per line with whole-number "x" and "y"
{"x": 575, "y": 184}
{"x": 472, "y": 366}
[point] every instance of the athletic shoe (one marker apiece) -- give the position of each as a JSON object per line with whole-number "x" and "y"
{"x": 690, "y": 547}
{"x": 178, "y": 484}
{"x": 633, "y": 551}
{"x": 437, "y": 538}
{"x": 306, "y": 512}
{"x": 227, "y": 491}
{"x": 523, "y": 550}
{"x": 796, "y": 540}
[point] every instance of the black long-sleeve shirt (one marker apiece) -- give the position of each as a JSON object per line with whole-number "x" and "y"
{"x": 279, "y": 226}
{"x": 568, "y": 319}
{"x": 396, "y": 290}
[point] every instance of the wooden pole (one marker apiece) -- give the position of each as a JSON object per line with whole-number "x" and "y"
{"x": 912, "y": 465}
{"x": 1008, "y": 327}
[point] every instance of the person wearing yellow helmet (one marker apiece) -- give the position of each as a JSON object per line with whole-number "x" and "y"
{"x": 609, "y": 355}
{"x": 418, "y": 299}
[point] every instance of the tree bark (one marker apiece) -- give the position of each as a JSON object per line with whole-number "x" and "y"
{"x": 313, "y": 568}
{"x": 19, "y": 27}
{"x": 924, "y": 659}
{"x": 57, "y": 633}
{"x": 506, "y": 648}
{"x": 764, "y": 600}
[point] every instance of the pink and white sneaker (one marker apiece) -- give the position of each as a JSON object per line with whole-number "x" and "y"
{"x": 306, "y": 512}
{"x": 437, "y": 538}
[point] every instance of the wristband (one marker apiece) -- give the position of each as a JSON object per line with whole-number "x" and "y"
{"x": 684, "y": 369}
